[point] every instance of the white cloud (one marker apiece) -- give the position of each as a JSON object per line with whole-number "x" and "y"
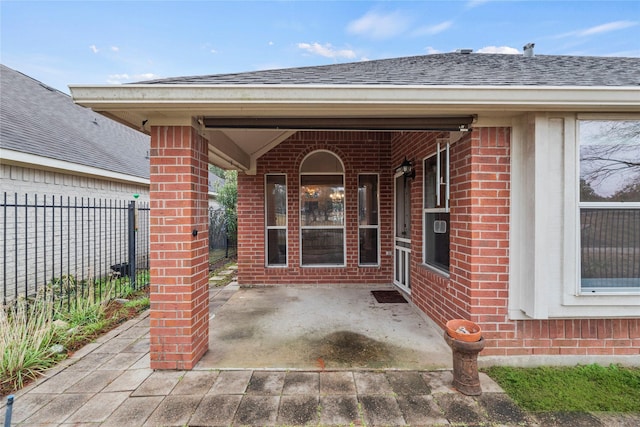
{"x": 433, "y": 29}
{"x": 379, "y": 26}
{"x": 326, "y": 50}
{"x": 473, "y": 3}
{"x": 213, "y": 51}
{"x": 605, "y": 28}
{"x": 124, "y": 78}
{"x": 271, "y": 43}
{"x": 598, "y": 29}
{"x": 499, "y": 49}
{"x": 115, "y": 48}
{"x": 93, "y": 48}
{"x": 430, "y": 50}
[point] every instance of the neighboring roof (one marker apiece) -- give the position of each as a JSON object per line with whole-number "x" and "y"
{"x": 39, "y": 120}
{"x": 215, "y": 182}
{"x": 446, "y": 69}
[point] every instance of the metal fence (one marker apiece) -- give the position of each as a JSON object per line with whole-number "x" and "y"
{"x": 222, "y": 237}
{"x": 610, "y": 243}
{"x": 72, "y": 246}
{"x": 76, "y": 246}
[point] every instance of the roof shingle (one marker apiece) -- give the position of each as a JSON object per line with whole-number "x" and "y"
{"x": 449, "y": 69}
{"x": 39, "y": 120}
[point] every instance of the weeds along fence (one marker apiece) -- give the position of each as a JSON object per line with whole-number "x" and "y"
{"x": 222, "y": 236}
{"x": 72, "y": 247}
{"x": 79, "y": 246}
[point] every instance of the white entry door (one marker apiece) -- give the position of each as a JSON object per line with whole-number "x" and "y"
{"x": 402, "y": 239}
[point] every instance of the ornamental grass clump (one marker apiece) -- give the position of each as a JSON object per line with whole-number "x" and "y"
{"x": 26, "y": 337}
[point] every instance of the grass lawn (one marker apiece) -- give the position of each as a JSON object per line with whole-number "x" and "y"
{"x": 581, "y": 388}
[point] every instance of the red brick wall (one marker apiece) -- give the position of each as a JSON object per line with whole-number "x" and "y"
{"x": 360, "y": 152}
{"x": 478, "y": 286}
{"x": 179, "y": 319}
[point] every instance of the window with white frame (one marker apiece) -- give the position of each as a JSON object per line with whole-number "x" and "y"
{"x": 368, "y": 223}
{"x": 322, "y": 225}
{"x": 276, "y": 219}
{"x": 609, "y": 205}
{"x": 436, "y": 208}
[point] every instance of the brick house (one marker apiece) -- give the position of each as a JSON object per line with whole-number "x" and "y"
{"x": 497, "y": 188}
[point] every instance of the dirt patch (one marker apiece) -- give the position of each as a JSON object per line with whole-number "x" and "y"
{"x": 346, "y": 348}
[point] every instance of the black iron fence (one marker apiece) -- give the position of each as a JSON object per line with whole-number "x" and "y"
{"x": 223, "y": 242}
{"x": 83, "y": 247}
{"x": 610, "y": 243}
{"x": 72, "y": 246}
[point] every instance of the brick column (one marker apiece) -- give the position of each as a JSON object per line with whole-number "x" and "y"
{"x": 179, "y": 319}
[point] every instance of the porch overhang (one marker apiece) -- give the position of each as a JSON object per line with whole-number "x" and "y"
{"x": 448, "y": 123}
{"x": 242, "y": 122}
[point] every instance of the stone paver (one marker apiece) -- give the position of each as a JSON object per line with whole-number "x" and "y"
{"x": 337, "y": 383}
{"x": 174, "y": 411}
{"x": 159, "y": 383}
{"x": 98, "y": 408}
{"x": 121, "y": 361}
{"x": 338, "y": 410}
{"x": 109, "y": 383}
{"x": 298, "y": 410}
{"x": 231, "y": 382}
{"x": 266, "y": 383}
{"x": 407, "y": 383}
{"x": 28, "y": 404}
{"x": 299, "y": 383}
{"x": 133, "y": 412}
{"x": 372, "y": 383}
{"x": 94, "y": 382}
{"x": 421, "y": 410}
{"x": 58, "y": 409}
{"x": 381, "y": 410}
{"x": 59, "y": 382}
{"x": 195, "y": 382}
{"x": 257, "y": 411}
{"x": 129, "y": 380}
{"x": 216, "y": 410}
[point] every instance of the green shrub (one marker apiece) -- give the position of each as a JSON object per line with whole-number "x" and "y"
{"x": 26, "y": 337}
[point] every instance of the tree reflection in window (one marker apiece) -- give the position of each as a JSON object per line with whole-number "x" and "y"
{"x": 609, "y": 206}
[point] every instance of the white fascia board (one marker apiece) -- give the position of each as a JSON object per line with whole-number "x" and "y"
{"x": 46, "y": 163}
{"x": 176, "y": 97}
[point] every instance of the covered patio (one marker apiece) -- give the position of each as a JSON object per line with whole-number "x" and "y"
{"x": 318, "y": 328}
{"x": 482, "y": 225}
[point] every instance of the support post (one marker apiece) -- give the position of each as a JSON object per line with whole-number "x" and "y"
{"x": 132, "y": 243}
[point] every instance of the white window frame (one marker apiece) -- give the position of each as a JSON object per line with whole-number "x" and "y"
{"x": 544, "y": 229}
{"x": 376, "y": 227}
{"x": 591, "y": 292}
{"x": 323, "y": 227}
{"x": 275, "y": 227}
{"x": 442, "y": 146}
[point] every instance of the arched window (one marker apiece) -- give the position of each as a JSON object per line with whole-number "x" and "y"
{"x": 322, "y": 225}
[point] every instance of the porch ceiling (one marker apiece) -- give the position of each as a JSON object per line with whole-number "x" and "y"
{"x": 242, "y": 122}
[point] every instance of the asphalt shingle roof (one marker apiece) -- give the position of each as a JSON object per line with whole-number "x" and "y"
{"x": 39, "y": 120}
{"x": 445, "y": 69}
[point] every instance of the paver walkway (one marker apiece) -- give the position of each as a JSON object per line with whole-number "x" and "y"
{"x": 109, "y": 383}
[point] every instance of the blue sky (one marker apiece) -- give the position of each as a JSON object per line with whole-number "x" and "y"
{"x": 102, "y": 42}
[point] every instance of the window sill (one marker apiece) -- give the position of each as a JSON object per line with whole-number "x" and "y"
{"x": 443, "y": 273}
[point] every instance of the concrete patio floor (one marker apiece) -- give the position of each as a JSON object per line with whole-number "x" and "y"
{"x": 307, "y": 328}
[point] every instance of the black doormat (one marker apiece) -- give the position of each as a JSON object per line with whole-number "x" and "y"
{"x": 389, "y": 297}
